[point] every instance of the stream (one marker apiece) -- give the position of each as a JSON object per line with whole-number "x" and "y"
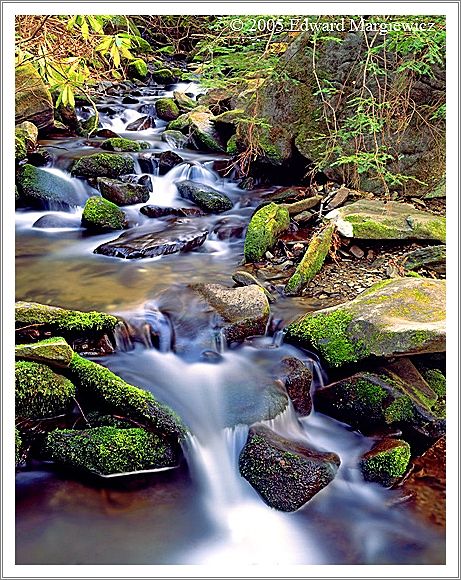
{"x": 202, "y": 512}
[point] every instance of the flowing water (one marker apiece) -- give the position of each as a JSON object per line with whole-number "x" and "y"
{"x": 202, "y": 512}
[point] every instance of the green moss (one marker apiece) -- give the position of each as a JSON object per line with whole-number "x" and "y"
{"x": 163, "y": 76}
{"x": 54, "y": 351}
{"x": 108, "y": 450}
{"x": 40, "y": 392}
{"x": 166, "y": 109}
{"x": 102, "y": 215}
{"x": 386, "y": 465}
{"x": 370, "y": 229}
{"x": 312, "y": 260}
{"x": 18, "y": 447}
{"x": 103, "y": 165}
{"x": 264, "y": 227}
{"x": 20, "y": 149}
{"x": 121, "y": 144}
{"x": 137, "y": 69}
{"x": 437, "y": 381}
{"x": 231, "y": 147}
{"x": 91, "y": 124}
{"x": 124, "y": 399}
{"x": 400, "y": 410}
{"x": 327, "y": 332}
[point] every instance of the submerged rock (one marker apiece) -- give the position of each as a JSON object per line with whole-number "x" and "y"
{"x": 182, "y": 237}
{"x": 297, "y": 379}
{"x": 109, "y": 450}
{"x": 265, "y": 225}
{"x": 206, "y": 197}
{"x": 33, "y": 100}
{"x": 156, "y": 211}
{"x": 122, "y": 193}
{"x": 403, "y": 316}
{"x": 45, "y": 190}
{"x": 286, "y": 474}
{"x": 376, "y": 220}
{"x": 121, "y": 144}
{"x": 245, "y": 311}
{"x": 101, "y": 215}
{"x": 386, "y": 462}
{"x": 53, "y": 351}
{"x": 103, "y": 165}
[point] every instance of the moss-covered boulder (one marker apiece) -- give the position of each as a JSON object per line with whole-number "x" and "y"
{"x": 122, "y": 193}
{"x": 175, "y": 139}
{"x": 198, "y": 124}
{"x": 103, "y": 165}
{"x": 45, "y": 190}
{"x": 53, "y": 351}
{"x": 166, "y": 109}
{"x": 164, "y": 76}
{"x": 101, "y": 215}
{"x": 108, "y": 450}
{"x": 207, "y": 198}
{"x": 184, "y": 102}
{"x": 120, "y": 144}
{"x": 40, "y": 392}
{"x": 244, "y": 311}
{"x": 286, "y": 474}
{"x": 312, "y": 261}
{"x": 297, "y": 380}
{"x": 33, "y": 100}
{"x": 372, "y": 219}
{"x": 137, "y": 69}
{"x": 20, "y": 149}
{"x": 263, "y": 230}
{"x": 26, "y": 135}
{"x": 386, "y": 462}
{"x": 115, "y": 395}
{"x": 403, "y": 316}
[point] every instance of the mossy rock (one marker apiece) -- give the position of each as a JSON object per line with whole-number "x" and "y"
{"x": 284, "y": 473}
{"x": 137, "y": 69}
{"x": 120, "y": 144}
{"x": 166, "y": 109}
{"x": 164, "y": 76}
{"x": 101, "y": 215}
{"x": 53, "y": 351}
{"x": 403, "y": 316}
{"x": 264, "y": 228}
{"x": 103, "y": 165}
{"x": 231, "y": 147}
{"x": 29, "y": 132}
{"x": 20, "y": 149}
{"x": 109, "y": 450}
{"x": 40, "y": 392}
{"x": 386, "y": 462}
{"x": 45, "y": 190}
{"x": 91, "y": 124}
{"x": 175, "y": 139}
{"x": 184, "y": 102}
{"x": 198, "y": 124}
{"x": 122, "y": 193}
{"x": 312, "y": 260}
{"x": 297, "y": 379}
{"x": 102, "y": 385}
{"x": 207, "y": 198}
{"x": 33, "y": 100}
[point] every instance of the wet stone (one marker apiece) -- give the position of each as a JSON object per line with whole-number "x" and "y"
{"x": 141, "y": 124}
{"x": 155, "y": 211}
{"x": 168, "y": 160}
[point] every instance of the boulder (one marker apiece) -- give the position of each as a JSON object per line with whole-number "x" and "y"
{"x": 264, "y": 228}
{"x": 121, "y": 144}
{"x": 137, "y": 69}
{"x": 20, "y": 149}
{"x": 286, "y": 474}
{"x": 156, "y": 211}
{"x": 297, "y": 379}
{"x": 371, "y": 219}
{"x": 33, "y": 100}
{"x": 40, "y": 392}
{"x": 244, "y": 311}
{"x": 141, "y": 124}
{"x": 386, "y": 462}
{"x": 51, "y": 220}
{"x": 166, "y": 109}
{"x": 175, "y": 139}
{"x": 312, "y": 261}
{"x": 198, "y": 124}
{"x": 53, "y": 352}
{"x": 164, "y": 76}
{"x": 29, "y": 132}
{"x": 109, "y": 450}
{"x": 103, "y": 165}
{"x": 182, "y": 237}
{"x": 100, "y": 215}
{"x": 206, "y": 197}
{"x": 122, "y": 193}
{"x": 168, "y": 160}
{"x": 45, "y": 190}
{"x": 393, "y": 317}
{"x": 433, "y": 257}
{"x": 184, "y": 102}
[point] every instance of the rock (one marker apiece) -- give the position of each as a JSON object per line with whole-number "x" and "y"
{"x": 103, "y": 165}
{"x": 439, "y": 190}
{"x": 297, "y": 378}
{"x": 312, "y": 261}
{"x": 198, "y": 124}
{"x": 393, "y": 317}
{"x": 182, "y": 237}
{"x": 425, "y": 487}
{"x": 27, "y": 132}
{"x": 168, "y": 160}
{"x": 40, "y": 157}
{"x": 376, "y": 220}
{"x": 97, "y": 382}
{"x": 290, "y": 194}
{"x": 33, "y": 100}
{"x": 356, "y": 252}
{"x": 53, "y": 352}
{"x": 338, "y": 198}
{"x": 242, "y": 278}
{"x": 284, "y": 473}
{"x": 206, "y": 197}
{"x": 231, "y": 117}
{"x": 45, "y": 190}
{"x": 184, "y": 102}
{"x": 303, "y": 217}
{"x": 120, "y": 144}
{"x": 175, "y": 139}
{"x": 20, "y": 149}
{"x": 245, "y": 311}
{"x": 107, "y": 134}
{"x": 155, "y": 211}
{"x": 100, "y": 215}
{"x": 163, "y": 76}
{"x": 56, "y": 221}
{"x": 166, "y": 109}
{"x": 146, "y": 182}
{"x": 129, "y": 100}
{"x": 141, "y": 124}
{"x": 432, "y": 256}
{"x": 41, "y": 393}
{"x": 386, "y": 462}
{"x": 91, "y": 124}
{"x": 122, "y": 193}
{"x": 137, "y": 69}
{"x": 68, "y": 115}
{"x": 230, "y": 227}
{"x": 265, "y": 225}
{"x": 109, "y": 450}
{"x": 302, "y": 205}
{"x": 147, "y": 109}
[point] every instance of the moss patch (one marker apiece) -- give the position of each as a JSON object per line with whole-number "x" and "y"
{"x": 121, "y": 144}
{"x": 137, "y": 69}
{"x": 386, "y": 462}
{"x": 53, "y": 351}
{"x": 264, "y": 228}
{"x": 103, "y": 165}
{"x": 99, "y": 214}
{"x": 166, "y": 109}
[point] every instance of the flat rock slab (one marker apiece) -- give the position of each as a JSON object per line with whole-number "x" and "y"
{"x": 395, "y": 317}
{"x": 182, "y": 237}
{"x": 54, "y": 352}
{"x": 376, "y": 220}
